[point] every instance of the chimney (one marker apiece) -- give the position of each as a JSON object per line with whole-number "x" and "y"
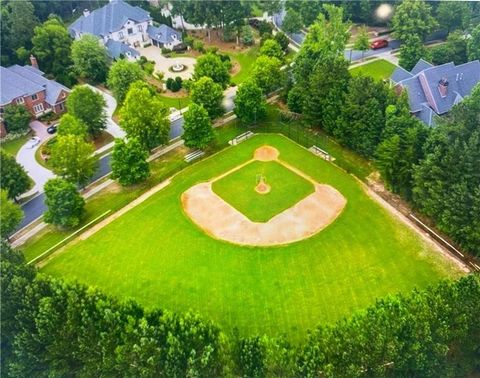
{"x": 33, "y": 62}
{"x": 443, "y": 87}
{"x": 86, "y": 13}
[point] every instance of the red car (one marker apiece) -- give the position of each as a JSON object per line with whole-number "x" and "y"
{"x": 379, "y": 44}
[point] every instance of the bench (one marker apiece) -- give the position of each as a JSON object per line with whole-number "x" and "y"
{"x": 194, "y": 155}
{"x": 322, "y": 153}
{"x": 242, "y": 137}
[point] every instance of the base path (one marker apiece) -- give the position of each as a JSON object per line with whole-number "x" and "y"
{"x": 222, "y": 221}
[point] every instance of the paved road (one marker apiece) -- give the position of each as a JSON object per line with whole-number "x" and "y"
{"x": 36, "y": 206}
{"x": 350, "y": 54}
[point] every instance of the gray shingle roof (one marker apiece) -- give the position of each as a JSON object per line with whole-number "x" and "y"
{"x": 400, "y": 74}
{"x": 14, "y": 85}
{"x": 426, "y": 115}
{"x": 23, "y": 81}
{"x": 423, "y": 87}
{"x": 110, "y": 18}
{"x": 163, "y": 33}
{"x": 116, "y": 48}
{"x": 420, "y": 66}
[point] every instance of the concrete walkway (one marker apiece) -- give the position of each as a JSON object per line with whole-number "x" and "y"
{"x": 26, "y": 157}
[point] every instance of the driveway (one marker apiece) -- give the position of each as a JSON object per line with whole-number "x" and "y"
{"x": 112, "y": 127}
{"x": 26, "y": 157}
{"x": 162, "y": 64}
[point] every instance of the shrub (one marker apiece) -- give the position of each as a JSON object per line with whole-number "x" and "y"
{"x": 265, "y": 28}
{"x": 247, "y": 36}
{"x": 188, "y": 40}
{"x": 198, "y": 45}
{"x": 165, "y": 50}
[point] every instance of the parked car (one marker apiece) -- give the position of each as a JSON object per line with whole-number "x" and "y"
{"x": 33, "y": 142}
{"x": 379, "y": 44}
{"x": 52, "y": 129}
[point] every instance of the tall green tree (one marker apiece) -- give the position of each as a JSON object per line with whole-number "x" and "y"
{"x": 16, "y": 119}
{"x": 69, "y": 125}
{"x": 447, "y": 181}
{"x": 454, "y": 50}
{"x": 282, "y": 40}
{"x": 250, "y": 103}
{"x": 144, "y": 116}
{"x": 272, "y": 49}
{"x": 129, "y": 162}
{"x": 52, "y": 46}
{"x": 326, "y": 40}
{"x": 65, "y": 206}
{"x": 267, "y": 73}
{"x": 412, "y": 18}
{"x": 453, "y": 15}
{"x": 209, "y": 94}
{"x": 197, "y": 128}
{"x": 121, "y": 75}
{"x": 18, "y": 23}
{"x": 72, "y": 159}
{"x": 473, "y": 44}
{"x": 325, "y": 92}
{"x": 89, "y": 107}
{"x": 362, "y": 42}
{"x": 10, "y": 215}
{"x": 362, "y": 119}
{"x": 210, "y": 65}
{"x": 292, "y": 23}
{"x": 411, "y": 51}
{"x": 14, "y": 179}
{"x": 90, "y": 59}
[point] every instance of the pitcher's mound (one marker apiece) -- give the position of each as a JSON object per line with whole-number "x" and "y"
{"x": 266, "y": 153}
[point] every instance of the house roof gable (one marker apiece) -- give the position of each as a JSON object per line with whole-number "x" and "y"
{"x": 163, "y": 33}
{"x": 110, "y": 18}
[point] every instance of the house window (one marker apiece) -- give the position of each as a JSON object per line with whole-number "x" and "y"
{"x": 140, "y": 28}
{"x": 120, "y": 35}
{"x": 20, "y": 101}
{"x": 130, "y": 31}
{"x": 38, "y": 108}
{"x": 34, "y": 97}
{"x": 61, "y": 106}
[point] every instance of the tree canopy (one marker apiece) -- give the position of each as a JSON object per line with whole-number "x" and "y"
{"x": 90, "y": 59}
{"x": 144, "y": 116}
{"x": 14, "y": 178}
{"x": 129, "y": 162}
{"x": 210, "y": 65}
{"x": 412, "y": 18}
{"x": 65, "y": 206}
{"x": 89, "y": 107}
{"x": 267, "y": 73}
{"x": 272, "y": 49}
{"x": 69, "y": 125}
{"x": 52, "y": 46}
{"x": 10, "y": 215}
{"x": 292, "y": 23}
{"x": 197, "y": 128}
{"x": 250, "y": 103}
{"x": 209, "y": 94}
{"x": 72, "y": 159}
{"x": 121, "y": 75}
{"x": 16, "y": 119}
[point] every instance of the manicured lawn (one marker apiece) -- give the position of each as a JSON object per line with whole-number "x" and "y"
{"x": 246, "y": 60}
{"x": 175, "y": 102}
{"x": 286, "y": 189}
{"x": 158, "y": 256}
{"x": 379, "y": 69}
{"x": 12, "y": 146}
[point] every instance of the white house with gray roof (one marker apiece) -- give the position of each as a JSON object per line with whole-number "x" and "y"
{"x": 122, "y": 27}
{"x": 434, "y": 90}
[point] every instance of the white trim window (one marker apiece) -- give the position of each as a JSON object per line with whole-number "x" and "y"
{"x": 20, "y": 101}
{"x": 38, "y": 108}
{"x": 120, "y": 35}
{"x": 140, "y": 28}
{"x": 34, "y": 97}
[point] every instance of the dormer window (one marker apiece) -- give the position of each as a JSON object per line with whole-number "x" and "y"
{"x": 130, "y": 31}
{"x": 140, "y": 28}
{"x": 20, "y": 101}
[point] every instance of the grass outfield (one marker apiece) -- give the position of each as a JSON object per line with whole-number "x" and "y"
{"x": 378, "y": 69}
{"x": 286, "y": 189}
{"x": 157, "y": 256}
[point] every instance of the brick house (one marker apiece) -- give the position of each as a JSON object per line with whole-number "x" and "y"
{"x": 27, "y": 86}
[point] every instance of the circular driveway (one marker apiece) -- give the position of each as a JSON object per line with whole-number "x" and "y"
{"x": 162, "y": 64}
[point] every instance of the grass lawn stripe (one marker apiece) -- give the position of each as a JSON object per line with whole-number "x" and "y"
{"x": 158, "y": 257}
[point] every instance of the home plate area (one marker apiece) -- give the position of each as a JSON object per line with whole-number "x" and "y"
{"x": 229, "y": 219}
